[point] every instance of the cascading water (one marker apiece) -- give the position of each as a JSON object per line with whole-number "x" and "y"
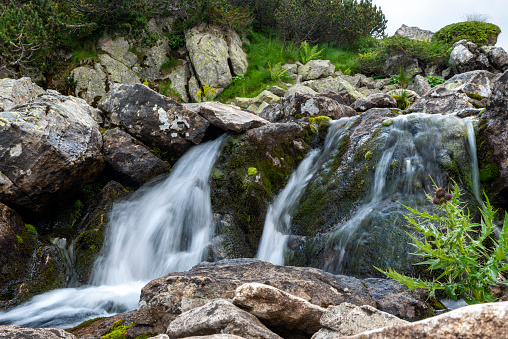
{"x": 278, "y": 219}
{"x": 162, "y": 228}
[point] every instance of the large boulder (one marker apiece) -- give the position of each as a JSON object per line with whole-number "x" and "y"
{"x": 457, "y": 93}
{"x": 163, "y": 299}
{"x": 348, "y": 319}
{"x": 497, "y": 56}
{"x": 219, "y": 317}
{"x": 300, "y": 89}
{"x": 154, "y": 57}
{"x": 16, "y": 332}
{"x": 377, "y": 100}
{"x": 209, "y": 53}
{"x": 90, "y": 83}
{"x": 466, "y": 56}
{"x": 334, "y": 84}
{"x": 414, "y": 33}
{"x": 133, "y": 163}
{"x": 48, "y": 147}
{"x": 117, "y": 72}
{"x": 118, "y": 49}
{"x": 15, "y": 92}
{"x": 476, "y": 321}
{"x": 237, "y": 56}
{"x": 299, "y": 106}
{"x": 229, "y": 118}
{"x": 154, "y": 119}
{"x": 316, "y": 69}
{"x": 179, "y": 80}
{"x": 280, "y": 311}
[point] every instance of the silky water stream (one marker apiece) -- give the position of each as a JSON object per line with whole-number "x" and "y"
{"x": 162, "y": 228}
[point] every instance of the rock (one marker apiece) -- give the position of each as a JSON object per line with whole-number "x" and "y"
{"x": 118, "y": 49}
{"x": 237, "y": 56}
{"x": 179, "y": 78}
{"x": 117, "y": 72}
{"x": 300, "y": 89}
{"x": 133, "y": 163}
{"x": 154, "y": 119}
{"x": 498, "y": 100}
{"x": 164, "y": 298}
{"x": 291, "y": 69}
{"x": 316, "y": 69}
{"x": 421, "y": 85}
{"x": 209, "y": 53}
{"x": 229, "y": 118}
{"x": 153, "y": 60}
{"x": 412, "y": 96}
{"x": 49, "y": 146}
{"x": 17, "y": 244}
{"x": 414, "y": 33}
{"x": 265, "y": 96}
{"x": 194, "y": 89}
{"x": 101, "y": 326}
{"x": 378, "y": 100}
{"x": 497, "y": 57}
{"x": 395, "y": 63}
{"x": 278, "y": 91}
{"x": 461, "y": 59}
{"x": 219, "y": 317}
{"x": 280, "y": 311}
{"x": 216, "y": 336}
{"x": 298, "y": 106}
{"x": 90, "y": 83}
{"x": 16, "y": 332}
{"x": 347, "y": 319}
{"x": 333, "y": 84}
{"x": 456, "y": 94}
{"x": 16, "y": 92}
{"x": 475, "y": 321}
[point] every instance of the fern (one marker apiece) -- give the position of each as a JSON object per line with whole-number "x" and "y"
{"x": 307, "y": 53}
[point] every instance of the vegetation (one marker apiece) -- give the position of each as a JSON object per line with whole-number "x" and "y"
{"x": 435, "y": 80}
{"x": 117, "y": 331}
{"x": 307, "y": 53}
{"x": 481, "y": 33}
{"x": 467, "y": 256}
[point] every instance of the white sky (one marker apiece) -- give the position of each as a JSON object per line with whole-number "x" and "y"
{"x": 435, "y": 14}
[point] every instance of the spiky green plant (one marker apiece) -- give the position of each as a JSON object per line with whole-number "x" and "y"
{"x": 307, "y": 53}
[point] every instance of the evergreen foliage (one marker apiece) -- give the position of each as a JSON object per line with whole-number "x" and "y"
{"x": 481, "y": 33}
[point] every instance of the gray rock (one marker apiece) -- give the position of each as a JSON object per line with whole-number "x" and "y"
{"x": 118, "y": 73}
{"x": 118, "y": 49}
{"x": 179, "y": 78}
{"x": 279, "y": 310}
{"x": 154, "y": 119}
{"x": 278, "y": 91}
{"x": 498, "y": 100}
{"x": 193, "y": 89}
{"x": 476, "y": 321}
{"x": 463, "y": 59}
{"x": 421, "y": 85}
{"x": 412, "y": 96}
{"x": 16, "y": 332}
{"x": 414, "y": 33}
{"x": 378, "y": 100}
{"x": 90, "y": 83}
{"x": 348, "y": 319}
{"x": 230, "y": 118}
{"x": 216, "y": 336}
{"x": 316, "y": 69}
{"x": 237, "y": 56}
{"x": 333, "y": 84}
{"x": 291, "y": 69}
{"x": 265, "y": 96}
{"x": 159, "y": 25}
{"x": 300, "y": 89}
{"x": 154, "y": 58}
{"x": 497, "y": 57}
{"x": 48, "y": 146}
{"x": 396, "y": 62}
{"x": 15, "y": 92}
{"x": 219, "y": 317}
{"x": 209, "y": 53}
{"x": 134, "y": 163}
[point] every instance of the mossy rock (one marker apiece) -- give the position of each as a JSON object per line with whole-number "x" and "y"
{"x": 481, "y": 33}
{"x": 489, "y": 172}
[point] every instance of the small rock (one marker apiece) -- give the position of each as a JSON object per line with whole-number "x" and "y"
{"x": 378, "y": 100}
{"x": 316, "y": 69}
{"x": 230, "y": 118}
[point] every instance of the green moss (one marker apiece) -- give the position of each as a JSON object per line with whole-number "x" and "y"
{"x": 475, "y": 96}
{"x": 319, "y": 118}
{"x": 368, "y": 156}
{"x": 145, "y": 336}
{"x": 118, "y": 330}
{"x": 489, "y": 172}
{"x": 20, "y": 240}
{"x": 30, "y": 229}
{"x": 84, "y": 324}
{"x": 387, "y": 122}
{"x": 252, "y": 171}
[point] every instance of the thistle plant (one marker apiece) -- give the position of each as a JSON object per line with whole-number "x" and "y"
{"x": 307, "y": 53}
{"x": 467, "y": 256}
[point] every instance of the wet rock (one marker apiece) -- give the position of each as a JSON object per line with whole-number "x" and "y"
{"x": 16, "y": 92}
{"x": 347, "y": 319}
{"x": 316, "y": 69}
{"x": 219, "y": 317}
{"x": 414, "y": 33}
{"x": 90, "y": 83}
{"x": 280, "y": 311}
{"x": 237, "y": 56}
{"x": 209, "y": 53}
{"x": 229, "y": 118}
{"x": 378, "y": 100}
{"x": 131, "y": 161}
{"x": 164, "y": 298}
{"x": 48, "y": 147}
{"x": 457, "y": 93}
{"x": 154, "y": 119}
{"x": 298, "y": 106}
{"x": 16, "y": 332}
{"x": 179, "y": 79}
{"x": 475, "y": 321}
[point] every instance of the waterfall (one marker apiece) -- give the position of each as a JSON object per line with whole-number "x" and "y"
{"x": 162, "y": 228}
{"x": 278, "y": 219}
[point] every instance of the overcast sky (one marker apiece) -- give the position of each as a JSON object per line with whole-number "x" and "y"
{"x": 435, "y": 14}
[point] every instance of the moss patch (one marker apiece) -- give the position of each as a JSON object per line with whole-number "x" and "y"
{"x": 84, "y": 324}
{"x": 489, "y": 172}
{"x": 117, "y": 331}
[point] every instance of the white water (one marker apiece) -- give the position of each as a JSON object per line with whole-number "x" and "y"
{"x": 163, "y": 228}
{"x": 278, "y": 219}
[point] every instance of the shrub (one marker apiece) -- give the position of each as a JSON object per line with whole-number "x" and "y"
{"x": 481, "y": 33}
{"x": 466, "y": 255}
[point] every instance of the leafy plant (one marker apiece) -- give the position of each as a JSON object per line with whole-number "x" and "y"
{"x": 402, "y": 99}
{"x": 176, "y": 40}
{"x": 466, "y": 255}
{"x": 207, "y": 93}
{"x": 307, "y": 53}
{"x": 276, "y": 71}
{"x": 252, "y": 171}
{"x": 435, "y": 80}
